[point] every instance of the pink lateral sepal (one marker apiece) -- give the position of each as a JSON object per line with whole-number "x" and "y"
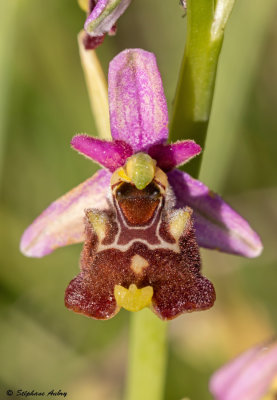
{"x": 110, "y": 155}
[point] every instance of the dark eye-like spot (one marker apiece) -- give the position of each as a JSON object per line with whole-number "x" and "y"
{"x": 125, "y": 191}
{"x": 129, "y": 191}
{"x": 152, "y": 191}
{"x": 138, "y": 206}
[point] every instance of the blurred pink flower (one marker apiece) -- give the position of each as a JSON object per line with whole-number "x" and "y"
{"x": 247, "y": 377}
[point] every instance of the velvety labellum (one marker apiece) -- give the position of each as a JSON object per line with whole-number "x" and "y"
{"x": 141, "y": 252}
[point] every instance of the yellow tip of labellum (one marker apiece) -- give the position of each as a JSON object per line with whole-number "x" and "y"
{"x": 140, "y": 169}
{"x": 133, "y": 299}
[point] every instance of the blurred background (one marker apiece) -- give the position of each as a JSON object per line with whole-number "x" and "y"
{"x": 43, "y": 103}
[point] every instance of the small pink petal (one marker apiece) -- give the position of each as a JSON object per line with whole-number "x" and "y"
{"x": 169, "y": 156}
{"x": 111, "y": 155}
{"x": 61, "y": 223}
{"x": 138, "y": 110}
{"x": 247, "y": 377}
{"x": 217, "y": 225}
{"x": 104, "y": 15}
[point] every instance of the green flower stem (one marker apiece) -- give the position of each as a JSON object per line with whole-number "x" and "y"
{"x": 147, "y": 357}
{"x": 195, "y": 88}
{"x": 241, "y": 64}
{"x": 97, "y": 88}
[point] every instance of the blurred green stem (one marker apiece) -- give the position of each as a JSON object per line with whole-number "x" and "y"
{"x": 8, "y": 11}
{"x": 97, "y": 88}
{"x": 241, "y": 64}
{"x": 147, "y": 358}
{"x": 195, "y": 88}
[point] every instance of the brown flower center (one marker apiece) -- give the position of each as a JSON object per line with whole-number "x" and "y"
{"x": 138, "y": 206}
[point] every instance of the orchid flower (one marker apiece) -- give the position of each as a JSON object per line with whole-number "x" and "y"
{"x": 101, "y": 19}
{"x": 250, "y": 376}
{"x": 144, "y": 219}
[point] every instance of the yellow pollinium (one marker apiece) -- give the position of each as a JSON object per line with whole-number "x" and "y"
{"x": 133, "y": 299}
{"x": 122, "y": 174}
{"x": 83, "y": 4}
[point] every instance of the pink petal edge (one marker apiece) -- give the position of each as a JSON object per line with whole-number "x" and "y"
{"x": 169, "y": 156}
{"x": 138, "y": 109}
{"x": 217, "y": 225}
{"x": 110, "y": 155}
{"x": 61, "y": 223}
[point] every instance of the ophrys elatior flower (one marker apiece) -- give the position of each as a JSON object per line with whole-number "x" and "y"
{"x": 144, "y": 219}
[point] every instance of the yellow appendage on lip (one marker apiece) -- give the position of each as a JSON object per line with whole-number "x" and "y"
{"x": 133, "y": 299}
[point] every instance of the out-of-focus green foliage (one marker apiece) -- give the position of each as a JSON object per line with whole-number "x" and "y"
{"x": 43, "y": 103}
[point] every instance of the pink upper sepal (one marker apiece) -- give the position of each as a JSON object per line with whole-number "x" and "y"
{"x": 217, "y": 225}
{"x": 169, "y": 156}
{"x": 247, "y": 377}
{"x": 62, "y": 222}
{"x": 110, "y": 155}
{"x": 138, "y": 109}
